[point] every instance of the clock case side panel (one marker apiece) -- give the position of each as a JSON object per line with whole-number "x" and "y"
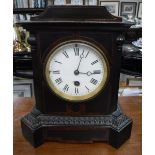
{"x": 36, "y": 65}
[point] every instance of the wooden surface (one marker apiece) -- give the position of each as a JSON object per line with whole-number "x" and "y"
{"x": 131, "y": 106}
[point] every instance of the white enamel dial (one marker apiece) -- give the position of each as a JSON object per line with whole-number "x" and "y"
{"x": 76, "y": 70}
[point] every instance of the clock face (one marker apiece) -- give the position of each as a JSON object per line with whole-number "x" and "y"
{"x": 76, "y": 70}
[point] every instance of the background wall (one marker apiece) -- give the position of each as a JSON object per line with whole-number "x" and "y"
{"x": 91, "y": 2}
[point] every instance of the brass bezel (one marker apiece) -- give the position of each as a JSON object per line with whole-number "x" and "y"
{"x": 84, "y": 97}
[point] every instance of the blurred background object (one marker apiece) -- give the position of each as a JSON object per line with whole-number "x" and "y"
{"x": 20, "y": 40}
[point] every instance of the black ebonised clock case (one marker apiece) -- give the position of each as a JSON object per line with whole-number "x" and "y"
{"x": 98, "y": 119}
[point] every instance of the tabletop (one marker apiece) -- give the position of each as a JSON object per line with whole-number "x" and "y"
{"x": 131, "y": 106}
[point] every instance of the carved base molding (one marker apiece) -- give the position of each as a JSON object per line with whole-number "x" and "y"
{"x": 114, "y": 129}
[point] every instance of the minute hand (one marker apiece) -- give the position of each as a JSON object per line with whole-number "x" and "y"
{"x": 81, "y": 56}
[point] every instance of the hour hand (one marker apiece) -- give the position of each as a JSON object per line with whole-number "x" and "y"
{"x": 96, "y": 72}
{"x": 87, "y": 73}
{"x": 90, "y": 73}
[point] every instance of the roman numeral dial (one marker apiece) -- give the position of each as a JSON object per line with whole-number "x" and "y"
{"x": 93, "y": 81}
{"x": 65, "y": 54}
{"x": 94, "y": 62}
{"x": 76, "y": 50}
{"x": 58, "y": 81}
{"x": 76, "y": 91}
{"x": 56, "y": 72}
{"x": 76, "y": 71}
{"x": 66, "y": 88}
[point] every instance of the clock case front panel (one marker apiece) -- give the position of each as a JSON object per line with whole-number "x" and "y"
{"x": 98, "y": 119}
{"x": 105, "y": 102}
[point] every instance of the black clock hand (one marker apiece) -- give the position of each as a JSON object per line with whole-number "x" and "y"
{"x": 76, "y": 72}
{"x": 81, "y": 56}
{"x": 90, "y": 73}
{"x": 79, "y": 64}
{"x": 87, "y": 73}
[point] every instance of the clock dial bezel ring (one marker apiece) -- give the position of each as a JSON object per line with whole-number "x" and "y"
{"x": 93, "y": 94}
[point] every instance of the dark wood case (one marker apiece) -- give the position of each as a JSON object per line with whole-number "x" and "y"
{"x": 98, "y": 119}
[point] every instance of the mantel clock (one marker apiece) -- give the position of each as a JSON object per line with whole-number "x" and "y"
{"x": 76, "y": 53}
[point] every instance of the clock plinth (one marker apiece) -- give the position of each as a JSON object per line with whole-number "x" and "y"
{"x": 76, "y": 54}
{"x": 114, "y": 128}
